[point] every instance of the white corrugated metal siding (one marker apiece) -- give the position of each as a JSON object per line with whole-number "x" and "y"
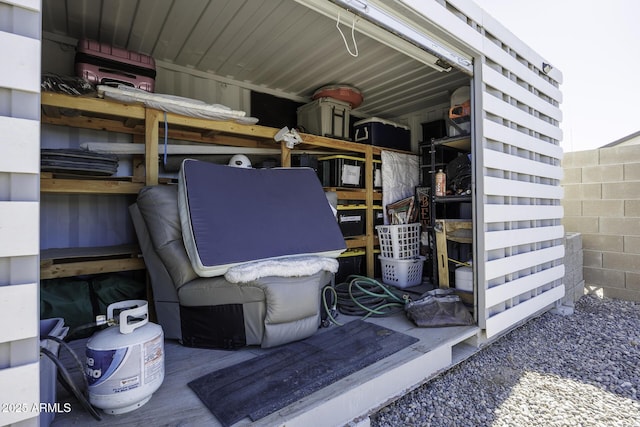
{"x": 19, "y": 205}
{"x": 519, "y": 247}
{"x": 278, "y": 46}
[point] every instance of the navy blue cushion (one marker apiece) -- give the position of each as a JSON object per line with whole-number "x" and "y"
{"x": 234, "y": 215}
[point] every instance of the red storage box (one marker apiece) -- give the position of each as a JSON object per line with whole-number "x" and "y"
{"x": 101, "y": 63}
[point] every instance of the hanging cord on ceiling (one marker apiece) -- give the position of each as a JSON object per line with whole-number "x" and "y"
{"x": 364, "y": 297}
{"x": 353, "y": 36}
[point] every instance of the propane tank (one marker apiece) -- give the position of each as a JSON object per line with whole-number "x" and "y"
{"x": 125, "y": 362}
{"x": 441, "y": 183}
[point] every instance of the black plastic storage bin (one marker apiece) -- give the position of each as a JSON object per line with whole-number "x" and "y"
{"x": 305, "y": 160}
{"x": 352, "y": 219}
{"x": 382, "y": 133}
{"x": 378, "y": 215}
{"x": 434, "y": 130}
{"x": 341, "y": 171}
{"x": 350, "y": 262}
{"x": 377, "y": 174}
{"x": 377, "y": 267}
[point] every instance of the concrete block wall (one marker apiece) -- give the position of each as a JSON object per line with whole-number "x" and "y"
{"x": 602, "y": 203}
{"x": 573, "y": 269}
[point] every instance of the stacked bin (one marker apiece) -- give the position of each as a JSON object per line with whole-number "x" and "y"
{"x": 400, "y": 254}
{"x": 352, "y": 219}
{"x": 341, "y": 171}
{"x": 350, "y": 262}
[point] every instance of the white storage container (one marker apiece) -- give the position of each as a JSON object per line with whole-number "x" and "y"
{"x": 464, "y": 279}
{"x": 325, "y": 117}
{"x": 399, "y": 241}
{"x": 402, "y": 273}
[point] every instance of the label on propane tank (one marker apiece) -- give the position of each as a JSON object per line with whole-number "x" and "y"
{"x": 153, "y": 359}
{"x": 113, "y": 371}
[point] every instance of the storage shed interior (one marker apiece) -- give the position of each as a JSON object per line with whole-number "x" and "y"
{"x": 265, "y": 58}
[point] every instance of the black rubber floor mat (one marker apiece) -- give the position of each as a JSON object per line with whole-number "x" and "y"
{"x": 265, "y": 384}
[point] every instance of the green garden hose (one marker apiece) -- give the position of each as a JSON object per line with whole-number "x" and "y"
{"x": 364, "y": 297}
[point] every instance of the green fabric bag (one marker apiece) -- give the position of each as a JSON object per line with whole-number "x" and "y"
{"x": 78, "y": 300}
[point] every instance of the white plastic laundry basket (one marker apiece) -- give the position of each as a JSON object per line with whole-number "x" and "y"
{"x": 402, "y": 273}
{"x": 400, "y": 241}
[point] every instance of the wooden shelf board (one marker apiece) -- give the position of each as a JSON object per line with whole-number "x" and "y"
{"x": 91, "y": 267}
{"x": 353, "y": 194}
{"x": 67, "y": 262}
{"x": 360, "y": 242}
{"x": 356, "y": 242}
{"x": 83, "y": 185}
{"x": 113, "y": 124}
{"x": 458, "y": 239}
{"x": 458, "y": 142}
{"x": 98, "y": 113}
{"x": 93, "y": 105}
{"x": 54, "y": 254}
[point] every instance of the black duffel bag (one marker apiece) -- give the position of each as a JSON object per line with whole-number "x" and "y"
{"x": 437, "y": 308}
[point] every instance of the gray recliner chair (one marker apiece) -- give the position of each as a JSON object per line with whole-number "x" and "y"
{"x": 212, "y": 312}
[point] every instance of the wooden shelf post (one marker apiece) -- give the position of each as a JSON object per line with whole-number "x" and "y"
{"x": 152, "y": 121}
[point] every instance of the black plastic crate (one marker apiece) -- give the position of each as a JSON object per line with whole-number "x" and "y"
{"x": 350, "y": 262}
{"x": 352, "y": 219}
{"x": 341, "y": 171}
{"x": 378, "y": 215}
{"x": 377, "y": 174}
{"x": 305, "y": 160}
{"x": 434, "y": 130}
{"x": 382, "y": 133}
{"x": 377, "y": 266}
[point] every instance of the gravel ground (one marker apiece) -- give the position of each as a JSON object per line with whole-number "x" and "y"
{"x": 578, "y": 370}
